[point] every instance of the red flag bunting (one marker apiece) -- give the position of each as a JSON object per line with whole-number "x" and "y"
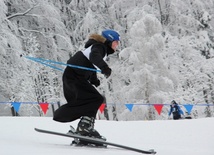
{"x": 158, "y": 108}
{"x": 44, "y": 107}
{"x": 102, "y": 107}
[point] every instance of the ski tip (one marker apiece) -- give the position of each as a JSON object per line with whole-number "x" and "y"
{"x": 152, "y": 151}
{"x": 37, "y": 129}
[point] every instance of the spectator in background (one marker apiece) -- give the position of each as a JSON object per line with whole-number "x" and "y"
{"x": 175, "y": 110}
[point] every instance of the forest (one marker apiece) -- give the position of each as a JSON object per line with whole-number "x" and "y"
{"x": 166, "y": 53}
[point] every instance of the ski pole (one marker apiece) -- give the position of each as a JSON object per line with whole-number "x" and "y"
{"x": 41, "y": 60}
{"x": 45, "y": 64}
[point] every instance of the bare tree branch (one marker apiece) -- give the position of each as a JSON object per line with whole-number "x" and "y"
{"x": 24, "y": 13}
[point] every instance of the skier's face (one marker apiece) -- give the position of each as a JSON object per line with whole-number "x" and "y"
{"x": 114, "y": 45}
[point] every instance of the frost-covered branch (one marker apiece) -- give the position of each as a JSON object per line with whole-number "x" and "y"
{"x": 35, "y": 31}
{"x": 24, "y": 13}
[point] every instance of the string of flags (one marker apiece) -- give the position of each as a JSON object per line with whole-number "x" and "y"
{"x": 16, "y": 105}
{"x": 158, "y": 107}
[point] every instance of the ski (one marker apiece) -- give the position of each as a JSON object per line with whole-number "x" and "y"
{"x": 95, "y": 140}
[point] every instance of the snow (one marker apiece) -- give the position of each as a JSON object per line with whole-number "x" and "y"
{"x": 167, "y": 137}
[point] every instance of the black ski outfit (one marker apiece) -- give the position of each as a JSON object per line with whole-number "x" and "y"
{"x": 82, "y": 97}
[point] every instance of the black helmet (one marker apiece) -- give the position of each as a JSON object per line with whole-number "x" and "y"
{"x": 173, "y": 102}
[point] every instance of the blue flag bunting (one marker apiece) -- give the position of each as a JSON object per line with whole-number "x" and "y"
{"x": 16, "y": 106}
{"x": 188, "y": 107}
{"x": 129, "y": 106}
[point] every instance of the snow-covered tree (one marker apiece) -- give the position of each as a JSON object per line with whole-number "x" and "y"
{"x": 167, "y": 50}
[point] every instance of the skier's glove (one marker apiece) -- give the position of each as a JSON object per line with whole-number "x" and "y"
{"x": 96, "y": 82}
{"x": 106, "y": 71}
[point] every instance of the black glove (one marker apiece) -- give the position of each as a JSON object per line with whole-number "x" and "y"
{"x": 106, "y": 71}
{"x": 96, "y": 82}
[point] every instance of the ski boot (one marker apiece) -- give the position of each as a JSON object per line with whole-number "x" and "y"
{"x": 86, "y": 128}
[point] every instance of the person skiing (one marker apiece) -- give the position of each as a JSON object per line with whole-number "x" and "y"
{"x": 175, "y": 110}
{"x": 83, "y": 99}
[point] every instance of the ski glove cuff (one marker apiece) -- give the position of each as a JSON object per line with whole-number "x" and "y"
{"x": 106, "y": 71}
{"x": 96, "y": 82}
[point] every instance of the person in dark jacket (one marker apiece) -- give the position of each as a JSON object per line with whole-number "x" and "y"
{"x": 175, "y": 110}
{"x": 83, "y": 99}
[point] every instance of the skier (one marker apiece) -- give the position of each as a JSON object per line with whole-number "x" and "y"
{"x": 83, "y": 99}
{"x": 175, "y": 110}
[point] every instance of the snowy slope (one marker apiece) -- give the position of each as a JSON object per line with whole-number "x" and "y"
{"x": 182, "y": 137}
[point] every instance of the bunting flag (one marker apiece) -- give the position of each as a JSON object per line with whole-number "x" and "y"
{"x": 188, "y": 107}
{"x": 16, "y": 106}
{"x": 44, "y": 107}
{"x": 102, "y": 107}
{"x": 158, "y": 108}
{"x": 129, "y": 106}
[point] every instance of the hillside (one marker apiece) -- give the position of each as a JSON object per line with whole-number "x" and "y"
{"x": 182, "y": 137}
